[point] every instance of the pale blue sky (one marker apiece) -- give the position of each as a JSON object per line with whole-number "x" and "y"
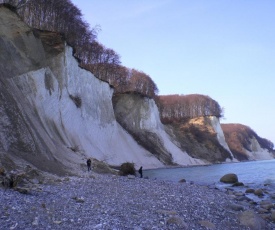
{"x": 221, "y": 48}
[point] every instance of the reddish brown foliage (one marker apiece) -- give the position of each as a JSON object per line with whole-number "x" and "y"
{"x": 180, "y": 107}
{"x": 126, "y": 80}
{"x": 64, "y": 17}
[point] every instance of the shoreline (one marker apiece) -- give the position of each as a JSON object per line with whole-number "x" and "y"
{"x": 204, "y": 165}
{"x": 97, "y": 201}
{"x": 258, "y": 196}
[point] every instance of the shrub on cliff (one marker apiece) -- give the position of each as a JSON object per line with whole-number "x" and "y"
{"x": 127, "y": 169}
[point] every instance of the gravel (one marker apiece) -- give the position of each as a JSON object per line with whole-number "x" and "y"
{"x": 98, "y": 201}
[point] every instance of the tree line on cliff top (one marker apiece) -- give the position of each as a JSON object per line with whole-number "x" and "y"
{"x": 64, "y": 17}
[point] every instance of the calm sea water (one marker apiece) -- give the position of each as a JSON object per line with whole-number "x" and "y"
{"x": 252, "y": 174}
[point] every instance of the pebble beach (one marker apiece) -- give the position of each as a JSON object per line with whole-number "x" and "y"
{"x": 97, "y": 201}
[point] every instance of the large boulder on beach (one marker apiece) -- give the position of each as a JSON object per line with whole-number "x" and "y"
{"x": 229, "y": 178}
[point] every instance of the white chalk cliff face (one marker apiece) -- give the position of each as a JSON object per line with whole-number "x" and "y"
{"x": 257, "y": 152}
{"x": 140, "y": 116}
{"x": 220, "y": 136}
{"x": 245, "y": 144}
{"x": 51, "y": 106}
{"x": 91, "y": 127}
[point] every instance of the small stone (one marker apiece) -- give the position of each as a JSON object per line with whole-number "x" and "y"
{"x": 22, "y": 190}
{"x": 182, "y": 181}
{"x": 14, "y": 226}
{"x": 35, "y": 181}
{"x": 207, "y": 224}
{"x": 243, "y": 198}
{"x": 252, "y": 220}
{"x": 57, "y": 222}
{"x": 167, "y": 212}
{"x": 238, "y": 194}
{"x": 262, "y": 210}
{"x": 259, "y": 192}
{"x": 236, "y": 207}
{"x": 35, "y": 222}
{"x": 2, "y": 171}
{"x": 131, "y": 177}
{"x": 250, "y": 190}
{"x": 237, "y": 184}
{"x": 267, "y": 206}
{"x": 79, "y": 199}
{"x": 232, "y": 196}
{"x": 137, "y": 228}
{"x": 265, "y": 216}
{"x": 98, "y": 226}
{"x": 273, "y": 215}
{"x": 176, "y": 220}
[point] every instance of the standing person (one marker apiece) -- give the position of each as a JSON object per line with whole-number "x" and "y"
{"x": 89, "y": 162}
{"x": 140, "y": 171}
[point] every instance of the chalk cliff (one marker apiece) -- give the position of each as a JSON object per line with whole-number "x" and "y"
{"x": 202, "y": 138}
{"x": 55, "y": 114}
{"x": 245, "y": 144}
{"x": 140, "y": 117}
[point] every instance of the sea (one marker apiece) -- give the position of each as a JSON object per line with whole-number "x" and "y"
{"x": 254, "y": 174}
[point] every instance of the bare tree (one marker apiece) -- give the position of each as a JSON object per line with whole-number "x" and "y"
{"x": 64, "y": 17}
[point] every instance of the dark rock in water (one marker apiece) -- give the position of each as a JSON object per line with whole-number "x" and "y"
{"x": 267, "y": 206}
{"x": 243, "y": 198}
{"x": 237, "y": 184}
{"x": 259, "y": 192}
{"x": 229, "y": 178}
{"x": 250, "y": 190}
{"x": 182, "y": 181}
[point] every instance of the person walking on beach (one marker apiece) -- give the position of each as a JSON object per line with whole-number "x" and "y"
{"x": 89, "y": 162}
{"x": 140, "y": 172}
